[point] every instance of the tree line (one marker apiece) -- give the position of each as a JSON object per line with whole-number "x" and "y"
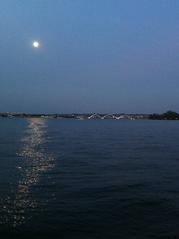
{"x": 169, "y": 115}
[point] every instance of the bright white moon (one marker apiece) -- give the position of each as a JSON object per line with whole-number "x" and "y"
{"x": 35, "y": 44}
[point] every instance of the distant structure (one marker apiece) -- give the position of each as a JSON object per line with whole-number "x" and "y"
{"x": 169, "y": 115}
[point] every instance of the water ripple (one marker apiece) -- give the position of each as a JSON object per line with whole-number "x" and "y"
{"x": 33, "y": 161}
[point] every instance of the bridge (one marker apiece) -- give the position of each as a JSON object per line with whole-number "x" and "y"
{"x": 110, "y": 116}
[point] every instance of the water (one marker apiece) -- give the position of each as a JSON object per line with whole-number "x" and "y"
{"x": 89, "y": 179}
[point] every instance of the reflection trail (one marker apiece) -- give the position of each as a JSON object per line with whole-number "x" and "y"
{"x": 33, "y": 162}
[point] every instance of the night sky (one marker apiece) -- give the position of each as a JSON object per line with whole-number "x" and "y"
{"x": 106, "y": 56}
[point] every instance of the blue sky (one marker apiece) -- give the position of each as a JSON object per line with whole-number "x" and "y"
{"x": 95, "y": 56}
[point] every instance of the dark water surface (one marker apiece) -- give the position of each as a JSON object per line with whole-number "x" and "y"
{"x": 89, "y": 179}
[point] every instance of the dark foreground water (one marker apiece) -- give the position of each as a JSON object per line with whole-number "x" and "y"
{"x": 89, "y": 179}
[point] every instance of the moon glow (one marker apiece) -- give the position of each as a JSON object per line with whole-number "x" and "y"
{"x": 35, "y": 44}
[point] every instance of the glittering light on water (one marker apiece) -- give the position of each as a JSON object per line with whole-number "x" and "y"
{"x": 33, "y": 162}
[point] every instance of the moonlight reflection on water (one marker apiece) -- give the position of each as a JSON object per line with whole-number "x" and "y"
{"x": 33, "y": 162}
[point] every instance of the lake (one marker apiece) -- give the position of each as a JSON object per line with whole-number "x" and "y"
{"x": 90, "y": 179}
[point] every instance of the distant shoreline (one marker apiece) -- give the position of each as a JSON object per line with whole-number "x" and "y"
{"x": 169, "y": 115}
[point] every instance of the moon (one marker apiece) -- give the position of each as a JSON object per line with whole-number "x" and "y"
{"x": 35, "y": 44}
